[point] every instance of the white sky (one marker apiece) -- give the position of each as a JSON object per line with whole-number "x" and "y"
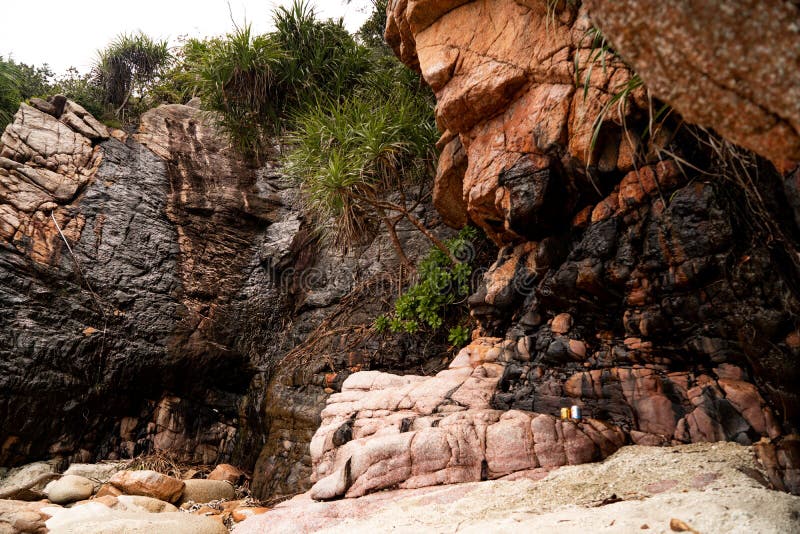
{"x": 65, "y": 33}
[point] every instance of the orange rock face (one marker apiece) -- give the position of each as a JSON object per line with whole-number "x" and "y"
{"x": 504, "y": 74}
{"x": 746, "y": 93}
{"x": 637, "y": 265}
{"x": 148, "y": 484}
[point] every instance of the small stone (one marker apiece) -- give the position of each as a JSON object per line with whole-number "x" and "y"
{"x": 793, "y": 339}
{"x": 561, "y": 323}
{"x": 240, "y": 514}
{"x": 524, "y": 349}
{"x": 69, "y": 488}
{"x": 577, "y": 348}
{"x": 677, "y": 525}
{"x": 108, "y": 490}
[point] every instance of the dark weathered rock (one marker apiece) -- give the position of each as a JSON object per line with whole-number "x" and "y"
{"x": 676, "y": 254}
{"x": 189, "y": 276}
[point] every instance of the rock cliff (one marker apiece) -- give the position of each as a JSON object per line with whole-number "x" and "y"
{"x": 648, "y": 268}
{"x": 152, "y": 285}
{"x": 156, "y": 293}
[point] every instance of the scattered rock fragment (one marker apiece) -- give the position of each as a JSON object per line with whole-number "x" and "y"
{"x": 227, "y": 472}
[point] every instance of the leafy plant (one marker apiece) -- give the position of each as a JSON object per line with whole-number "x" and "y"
{"x": 322, "y": 59}
{"x": 33, "y": 80}
{"x": 238, "y": 77}
{"x": 371, "y": 32}
{"x": 459, "y": 336}
{"x": 9, "y": 91}
{"x": 127, "y": 66}
{"x": 256, "y": 83}
{"x": 82, "y": 89}
{"x": 441, "y": 285}
{"x": 599, "y": 50}
{"x": 350, "y": 155}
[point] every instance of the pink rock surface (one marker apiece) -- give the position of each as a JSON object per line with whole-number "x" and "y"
{"x": 384, "y": 431}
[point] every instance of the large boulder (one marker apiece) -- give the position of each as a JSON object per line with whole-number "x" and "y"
{"x": 148, "y": 484}
{"x": 227, "y": 472}
{"x": 26, "y": 482}
{"x": 203, "y": 490}
{"x": 69, "y": 488}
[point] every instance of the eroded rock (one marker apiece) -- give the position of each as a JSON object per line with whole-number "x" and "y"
{"x": 69, "y": 488}
{"x": 148, "y": 484}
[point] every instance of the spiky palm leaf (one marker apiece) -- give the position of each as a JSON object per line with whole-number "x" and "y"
{"x": 9, "y": 92}
{"x": 127, "y": 65}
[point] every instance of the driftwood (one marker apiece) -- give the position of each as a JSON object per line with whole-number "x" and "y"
{"x": 17, "y": 491}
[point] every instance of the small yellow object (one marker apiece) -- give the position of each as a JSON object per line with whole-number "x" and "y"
{"x": 565, "y": 413}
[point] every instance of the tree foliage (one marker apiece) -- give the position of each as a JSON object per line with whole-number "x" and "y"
{"x": 257, "y": 82}
{"x": 441, "y": 285}
{"x": 371, "y": 32}
{"x": 10, "y": 97}
{"x": 127, "y": 66}
{"x": 350, "y": 155}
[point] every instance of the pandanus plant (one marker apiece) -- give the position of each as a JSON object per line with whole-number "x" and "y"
{"x": 9, "y": 92}
{"x": 127, "y": 66}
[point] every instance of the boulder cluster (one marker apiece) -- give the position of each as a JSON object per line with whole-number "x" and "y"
{"x": 108, "y": 497}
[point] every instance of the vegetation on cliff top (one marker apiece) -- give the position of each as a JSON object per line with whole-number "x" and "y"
{"x": 352, "y": 124}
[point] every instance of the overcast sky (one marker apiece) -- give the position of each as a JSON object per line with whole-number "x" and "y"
{"x": 65, "y": 33}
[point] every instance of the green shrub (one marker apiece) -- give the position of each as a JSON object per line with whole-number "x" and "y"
{"x": 371, "y": 32}
{"x": 127, "y": 67}
{"x": 9, "y": 91}
{"x": 322, "y": 59}
{"x": 82, "y": 89}
{"x": 239, "y": 78}
{"x": 347, "y": 155}
{"x": 256, "y": 83}
{"x": 34, "y": 81}
{"x": 441, "y": 285}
